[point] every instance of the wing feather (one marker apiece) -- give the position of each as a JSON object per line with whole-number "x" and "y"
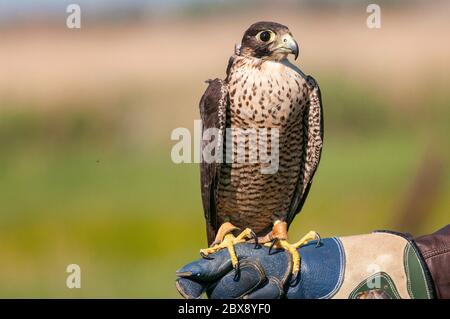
{"x": 213, "y": 106}
{"x": 312, "y": 123}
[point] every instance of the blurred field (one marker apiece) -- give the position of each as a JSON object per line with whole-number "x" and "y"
{"x": 85, "y": 121}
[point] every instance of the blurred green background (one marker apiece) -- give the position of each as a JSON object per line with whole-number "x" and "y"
{"x": 86, "y": 116}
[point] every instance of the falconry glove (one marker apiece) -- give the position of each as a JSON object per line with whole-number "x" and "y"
{"x": 381, "y": 265}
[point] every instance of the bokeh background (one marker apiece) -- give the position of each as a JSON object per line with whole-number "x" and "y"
{"x": 86, "y": 116}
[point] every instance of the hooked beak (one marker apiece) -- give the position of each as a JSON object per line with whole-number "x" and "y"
{"x": 288, "y": 45}
{"x": 294, "y": 47}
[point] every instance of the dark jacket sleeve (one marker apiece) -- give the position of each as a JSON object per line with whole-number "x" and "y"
{"x": 435, "y": 249}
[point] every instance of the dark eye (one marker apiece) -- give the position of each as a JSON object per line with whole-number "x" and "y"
{"x": 264, "y": 36}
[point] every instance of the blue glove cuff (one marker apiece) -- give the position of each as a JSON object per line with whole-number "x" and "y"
{"x": 322, "y": 270}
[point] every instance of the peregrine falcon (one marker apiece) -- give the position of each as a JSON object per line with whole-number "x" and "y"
{"x": 262, "y": 90}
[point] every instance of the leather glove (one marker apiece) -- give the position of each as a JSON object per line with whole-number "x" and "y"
{"x": 260, "y": 274}
{"x": 377, "y": 265}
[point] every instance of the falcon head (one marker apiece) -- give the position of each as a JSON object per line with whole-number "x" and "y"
{"x": 269, "y": 41}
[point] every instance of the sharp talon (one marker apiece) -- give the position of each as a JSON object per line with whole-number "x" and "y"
{"x": 294, "y": 278}
{"x": 205, "y": 256}
{"x": 236, "y": 272}
{"x": 252, "y": 233}
{"x": 318, "y": 238}
{"x": 272, "y": 244}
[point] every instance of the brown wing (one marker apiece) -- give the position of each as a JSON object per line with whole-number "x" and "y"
{"x": 312, "y": 123}
{"x": 213, "y": 106}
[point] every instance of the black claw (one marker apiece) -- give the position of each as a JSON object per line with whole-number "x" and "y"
{"x": 252, "y": 233}
{"x": 236, "y": 272}
{"x": 318, "y": 238}
{"x": 294, "y": 278}
{"x": 272, "y": 244}
{"x": 205, "y": 256}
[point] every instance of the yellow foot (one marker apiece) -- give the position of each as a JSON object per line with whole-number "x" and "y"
{"x": 228, "y": 242}
{"x": 292, "y": 249}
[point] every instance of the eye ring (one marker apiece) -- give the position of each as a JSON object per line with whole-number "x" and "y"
{"x": 265, "y": 36}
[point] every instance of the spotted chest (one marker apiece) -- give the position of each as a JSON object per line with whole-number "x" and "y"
{"x": 268, "y": 94}
{"x": 263, "y": 95}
